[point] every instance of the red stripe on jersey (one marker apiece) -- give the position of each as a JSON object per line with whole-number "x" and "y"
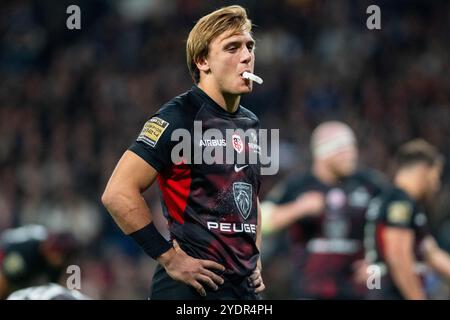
{"x": 379, "y": 235}
{"x": 175, "y": 190}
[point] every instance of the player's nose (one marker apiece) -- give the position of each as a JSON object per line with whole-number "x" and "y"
{"x": 246, "y": 55}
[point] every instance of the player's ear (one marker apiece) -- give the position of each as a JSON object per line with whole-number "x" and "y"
{"x": 203, "y": 64}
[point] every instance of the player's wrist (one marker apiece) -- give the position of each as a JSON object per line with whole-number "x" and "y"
{"x": 167, "y": 257}
{"x": 151, "y": 241}
{"x": 298, "y": 207}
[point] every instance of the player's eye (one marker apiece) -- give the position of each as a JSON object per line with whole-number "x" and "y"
{"x": 251, "y": 47}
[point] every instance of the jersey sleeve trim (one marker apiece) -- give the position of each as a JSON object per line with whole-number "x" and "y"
{"x": 139, "y": 149}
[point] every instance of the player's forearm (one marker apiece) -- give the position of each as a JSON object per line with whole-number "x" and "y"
{"x": 258, "y": 244}
{"x": 439, "y": 260}
{"x": 4, "y": 287}
{"x": 404, "y": 276}
{"x": 128, "y": 209}
{"x": 258, "y": 228}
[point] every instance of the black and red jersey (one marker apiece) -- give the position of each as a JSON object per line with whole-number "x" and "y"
{"x": 396, "y": 209}
{"x": 324, "y": 247}
{"x": 211, "y": 205}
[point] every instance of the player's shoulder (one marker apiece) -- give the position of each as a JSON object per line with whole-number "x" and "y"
{"x": 179, "y": 112}
{"x": 247, "y": 113}
{"x": 369, "y": 174}
{"x": 391, "y": 194}
{"x": 283, "y": 189}
{"x": 299, "y": 180}
{"x": 397, "y": 207}
{"x": 396, "y": 194}
{"x": 292, "y": 186}
{"x": 180, "y": 107}
{"x": 373, "y": 178}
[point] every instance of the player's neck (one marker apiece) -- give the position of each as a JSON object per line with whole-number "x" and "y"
{"x": 408, "y": 183}
{"x": 324, "y": 174}
{"x": 228, "y": 102}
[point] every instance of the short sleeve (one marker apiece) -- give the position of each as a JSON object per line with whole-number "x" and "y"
{"x": 154, "y": 143}
{"x": 378, "y": 182}
{"x": 399, "y": 214}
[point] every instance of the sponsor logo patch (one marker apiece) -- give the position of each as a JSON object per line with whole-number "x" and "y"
{"x": 213, "y": 143}
{"x": 399, "y": 212}
{"x": 243, "y": 198}
{"x": 238, "y": 145}
{"x": 152, "y": 131}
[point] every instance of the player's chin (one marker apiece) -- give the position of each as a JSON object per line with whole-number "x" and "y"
{"x": 247, "y": 88}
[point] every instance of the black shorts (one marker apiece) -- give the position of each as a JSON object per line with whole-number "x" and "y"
{"x": 388, "y": 291}
{"x": 165, "y": 288}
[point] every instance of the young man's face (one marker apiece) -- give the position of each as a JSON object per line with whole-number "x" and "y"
{"x": 229, "y": 56}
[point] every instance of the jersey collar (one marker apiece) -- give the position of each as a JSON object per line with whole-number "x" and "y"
{"x": 205, "y": 99}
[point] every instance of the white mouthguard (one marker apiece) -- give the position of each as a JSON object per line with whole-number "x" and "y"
{"x": 253, "y": 77}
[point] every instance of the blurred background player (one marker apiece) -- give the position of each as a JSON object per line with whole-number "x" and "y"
{"x": 399, "y": 238}
{"x": 31, "y": 255}
{"x": 324, "y": 211}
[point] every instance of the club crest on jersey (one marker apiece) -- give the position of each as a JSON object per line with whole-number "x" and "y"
{"x": 238, "y": 145}
{"x": 243, "y": 198}
{"x": 336, "y": 198}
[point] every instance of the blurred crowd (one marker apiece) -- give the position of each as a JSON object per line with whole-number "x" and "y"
{"x": 72, "y": 101}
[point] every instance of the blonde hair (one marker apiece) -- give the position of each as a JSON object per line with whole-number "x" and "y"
{"x": 232, "y": 18}
{"x": 416, "y": 151}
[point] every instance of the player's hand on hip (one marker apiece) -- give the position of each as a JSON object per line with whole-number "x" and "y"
{"x": 256, "y": 280}
{"x": 193, "y": 272}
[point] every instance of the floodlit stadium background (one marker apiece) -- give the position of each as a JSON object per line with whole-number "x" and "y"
{"x": 72, "y": 101}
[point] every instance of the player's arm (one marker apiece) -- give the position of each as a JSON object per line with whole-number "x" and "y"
{"x": 123, "y": 193}
{"x": 437, "y": 258}
{"x": 258, "y": 227}
{"x": 399, "y": 255}
{"x": 123, "y": 199}
{"x": 4, "y": 286}
{"x": 256, "y": 277}
{"x": 277, "y": 217}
